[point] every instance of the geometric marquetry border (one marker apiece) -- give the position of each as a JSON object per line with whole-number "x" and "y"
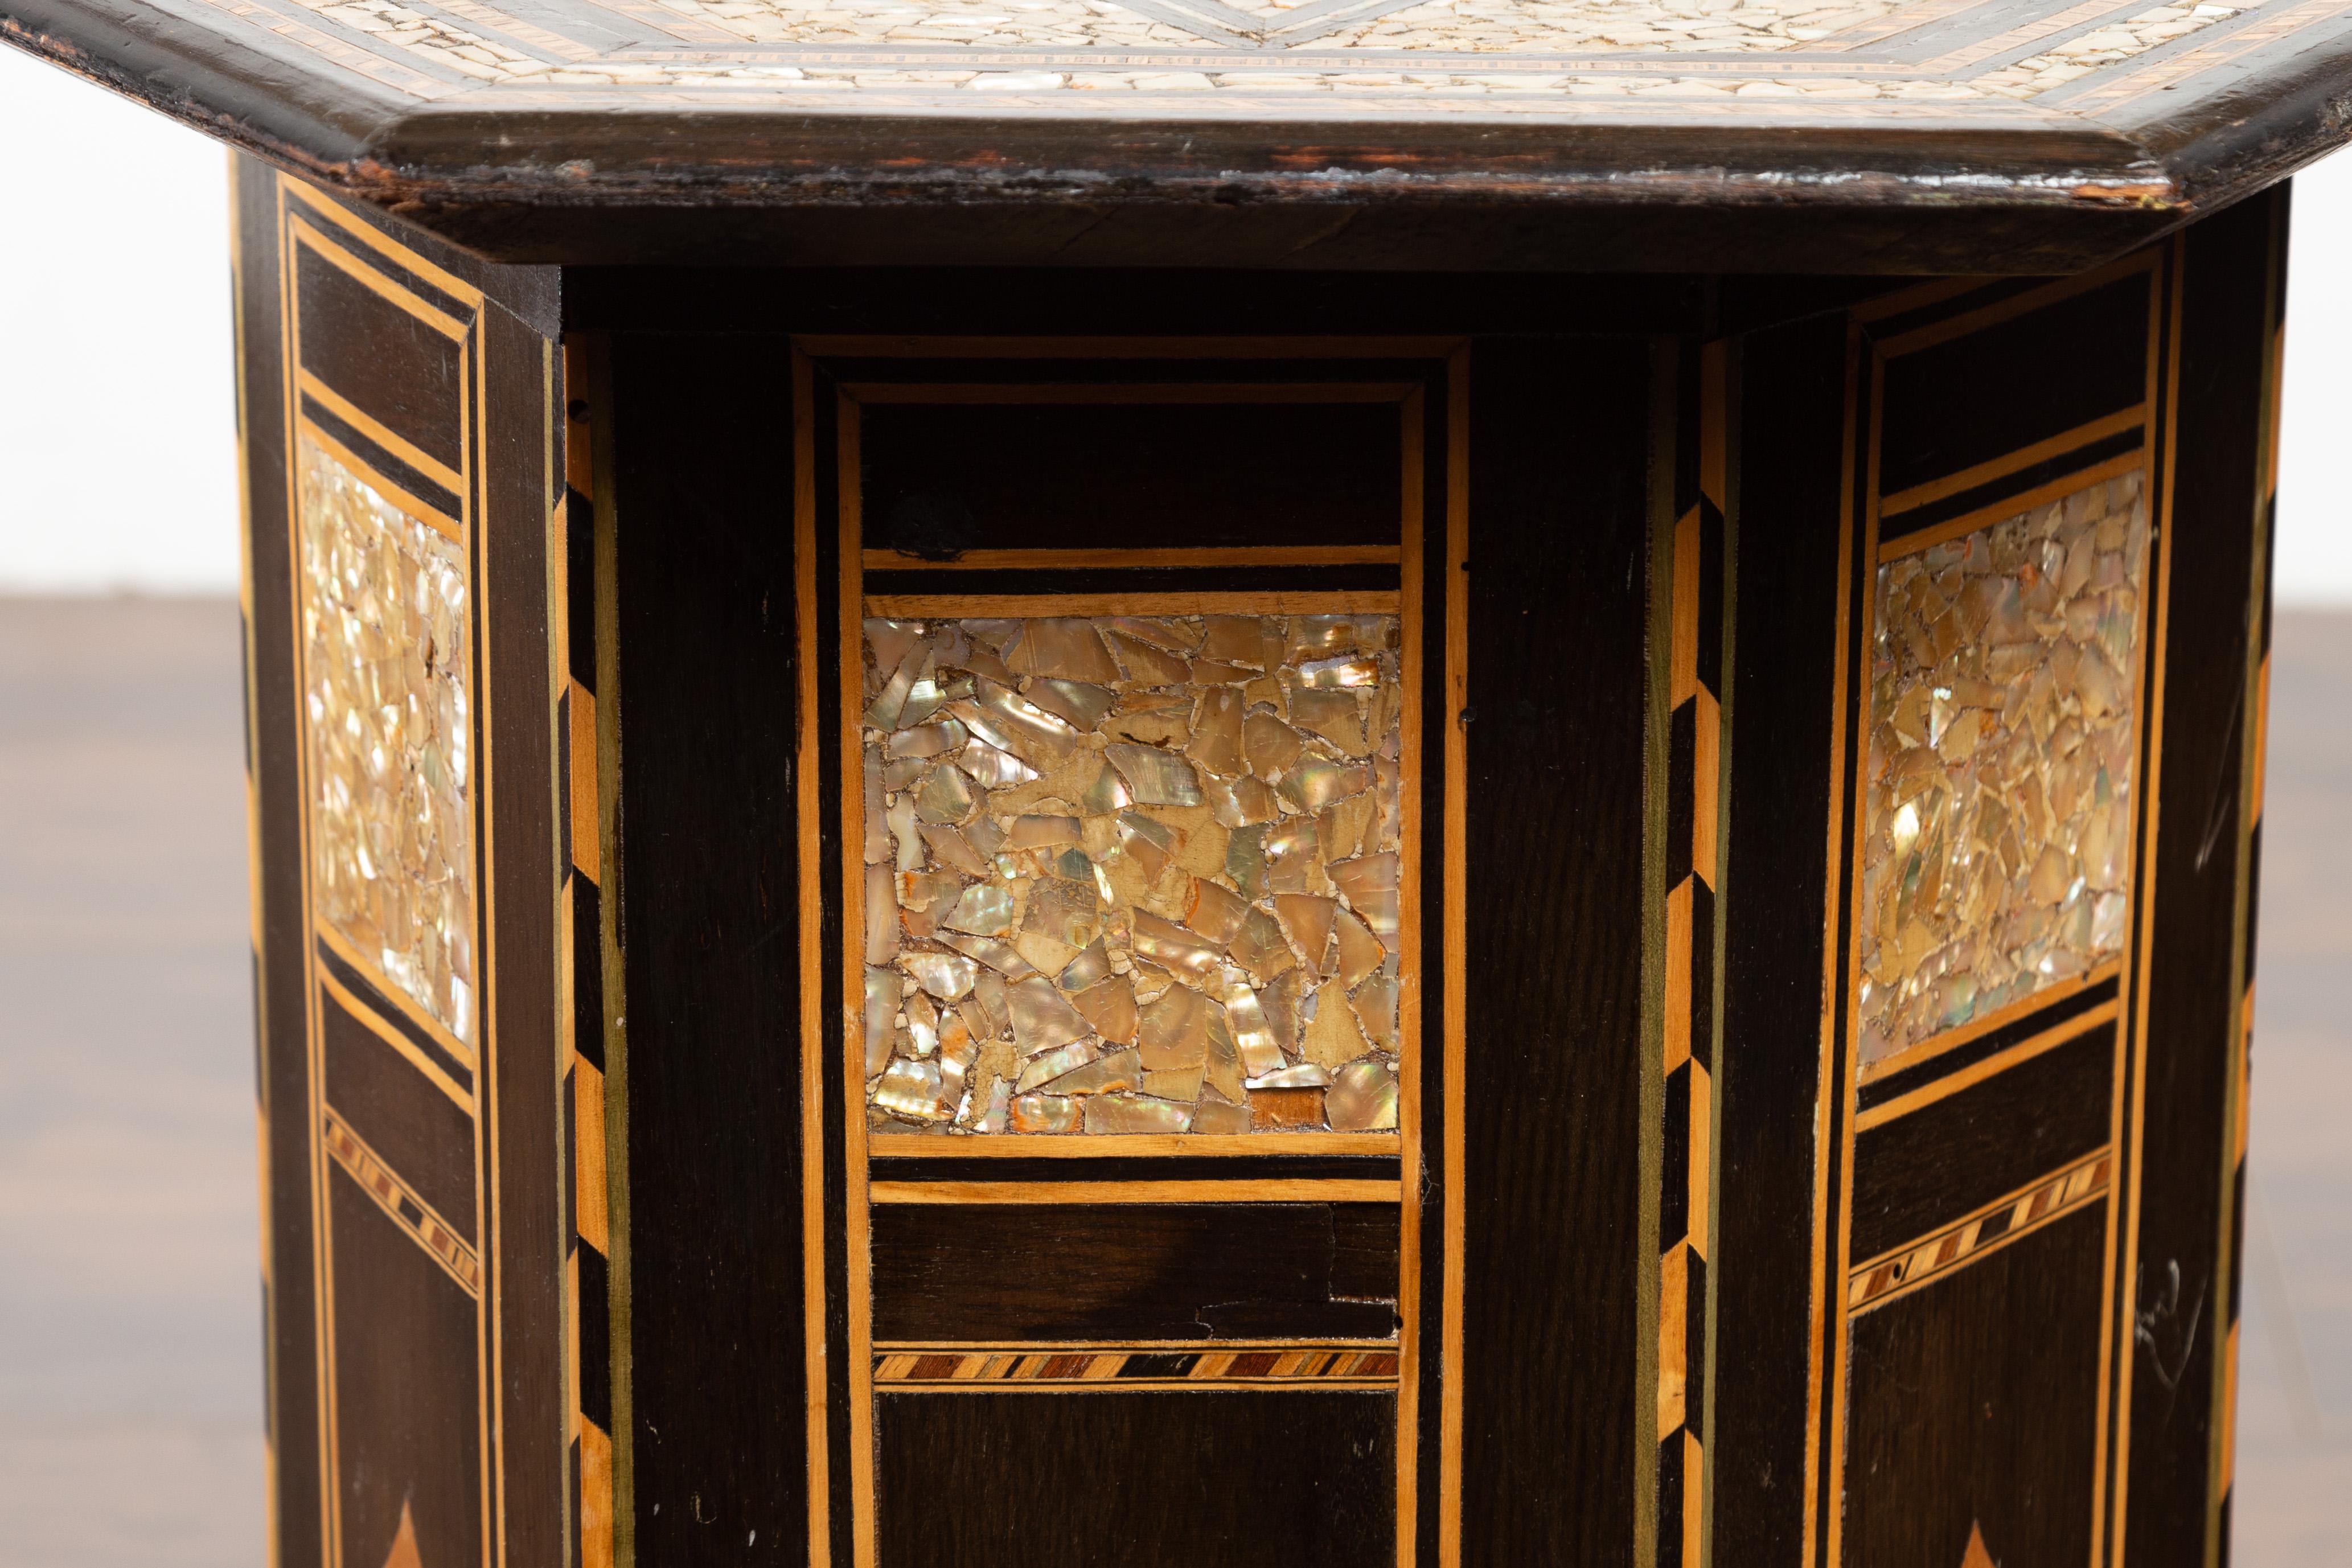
{"x": 1881, "y": 331}
{"x": 872, "y": 1366}
{"x": 399, "y": 1200}
{"x": 1367, "y": 1366}
{"x": 305, "y": 221}
{"x": 1882, "y": 1279}
{"x": 1692, "y": 620}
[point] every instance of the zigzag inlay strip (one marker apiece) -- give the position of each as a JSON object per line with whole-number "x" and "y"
{"x": 1881, "y": 1279}
{"x": 1322, "y": 1367}
{"x": 1686, "y": 1121}
{"x": 399, "y": 1200}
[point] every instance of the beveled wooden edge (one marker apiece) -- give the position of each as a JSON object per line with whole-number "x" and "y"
{"x": 1255, "y": 1189}
{"x": 468, "y": 171}
{"x": 1124, "y": 1145}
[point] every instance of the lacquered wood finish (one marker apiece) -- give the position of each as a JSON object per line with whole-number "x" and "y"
{"x": 1657, "y": 1266}
{"x": 411, "y": 1174}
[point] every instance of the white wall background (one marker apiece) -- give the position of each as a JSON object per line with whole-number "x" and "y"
{"x": 118, "y": 428}
{"x": 117, "y": 420}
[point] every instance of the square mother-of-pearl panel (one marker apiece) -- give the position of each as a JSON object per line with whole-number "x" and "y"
{"x": 2004, "y": 735}
{"x": 1131, "y": 874}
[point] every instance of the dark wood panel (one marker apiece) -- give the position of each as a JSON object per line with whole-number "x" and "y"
{"x": 944, "y": 478}
{"x": 370, "y": 995}
{"x": 519, "y": 488}
{"x": 1551, "y": 1133}
{"x": 533, "y": 293}
{"x": 1104, "y": 300}
{"x": 282, "y": 975}
{"x": 708, "y": 890}
{"x": 2228, "y": 270}
{"x": 1145, "y": 1271}
{"x": 1990, "y": 392}
{"x": 1985, "y": 1046}
{"x": 1953, "y": 1156}
{"x": 408, "y": 1429}
{"x": 395, "y": 367}
{"x": 1975, "y": 1405}
{"x": 377, "y": 455}
{"x": 587, "y": 969}
{"x": 1784, "y": 527}
{"x": 1289, "y": 1479}
{"x": 423, "y": 1135}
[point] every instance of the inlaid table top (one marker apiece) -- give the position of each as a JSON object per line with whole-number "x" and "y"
{"x": 2120, "y": 106}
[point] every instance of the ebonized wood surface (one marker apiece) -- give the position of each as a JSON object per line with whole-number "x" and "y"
{"x": 1129, "y": 1272}
{"x": 408, "y": 1397}
{"x": 423, "y": 1134}
{"x": 1950, "y": 1158}
{"x": 1286, "y": 1480}
{"x": 281, "y": 985}
{"x": 1032, "y": 476}
{"x": 1784, "y": 656}
{"x": 708, "y": 882}
{"x": 2179, "y": 1286}
{"x": 1560, "y": 504}
{"x": 1974, "y": 1407}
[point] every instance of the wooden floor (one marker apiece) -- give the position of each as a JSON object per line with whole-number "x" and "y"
{"x": 129, "y": 1336}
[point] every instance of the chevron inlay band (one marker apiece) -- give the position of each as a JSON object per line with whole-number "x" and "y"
{"x": 397, "y": 1199}
{"x": 1686, "y": 1063}
{"x": 1319, "y": 1365}
{"x": 1875, "y": 1282}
